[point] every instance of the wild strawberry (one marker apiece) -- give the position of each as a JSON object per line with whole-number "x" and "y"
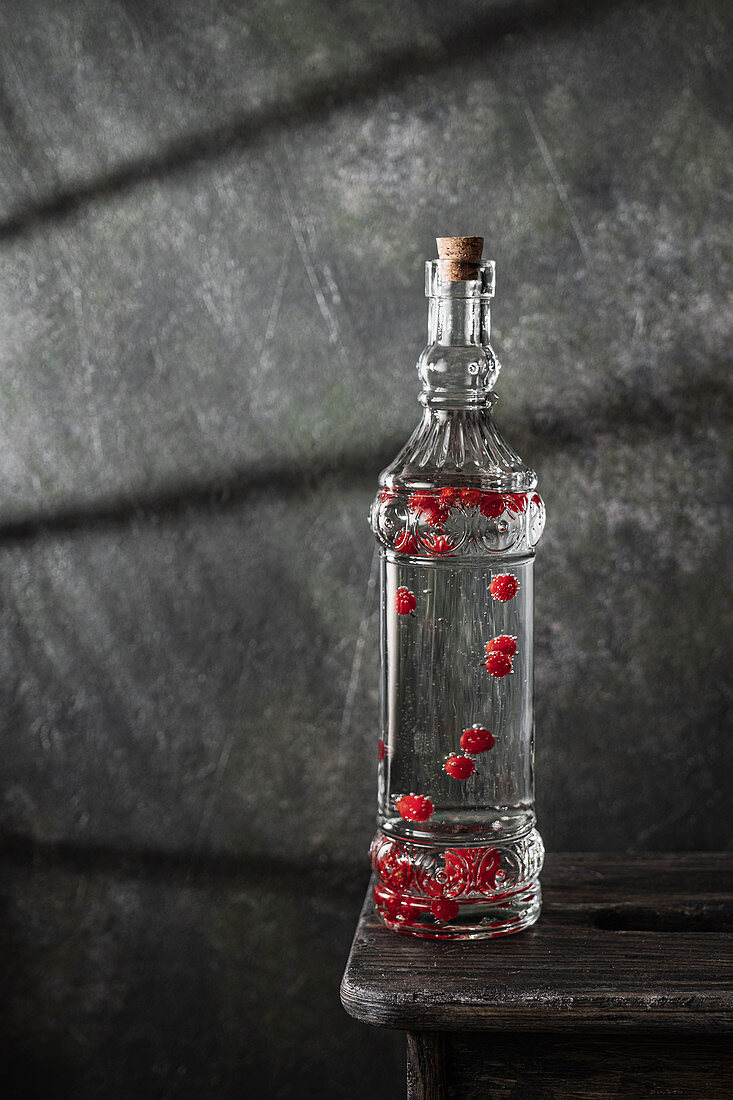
{"x": 492, "y": 505}
{"x": 405, "y": 601}
{"x": 438, "y": 544}
{"x": 409, "y": 912}
{"x": 414, "y": 807}
{"x": 504, "y": 587}
{"x": 444, "y": 909}
{"x": 449, "y": 498}
{"x": 391, "y": 903}
{"x": 386, "y": 495}
{"x": 381, "y": 749}
{"x": 460, "y": 767}
{"x": 406, "y": 543}
{"x": 476, "y": 740}
{"x": 392, "y": 906}
{"x": 516, "y": 502}
{"x": 416, "y": 502}
{"x": 429, "y": 506}
{"x": 470, "y": 497}
{"x": 419, "y": 502}
{"x": 499, "y": 664}
{"x": 397, "y": 906}
{"x": 503, "y": 644}
{"x": 393, "y": 868}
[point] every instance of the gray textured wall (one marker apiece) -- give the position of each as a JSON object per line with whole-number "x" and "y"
{"x": 212, "y": 224}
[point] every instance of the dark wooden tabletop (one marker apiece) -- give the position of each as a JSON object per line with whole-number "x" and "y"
{"x": 623, "y": 943}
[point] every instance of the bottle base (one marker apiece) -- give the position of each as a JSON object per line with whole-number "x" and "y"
{"x": 468, "y": 920}
{"x": 458, "y": 892}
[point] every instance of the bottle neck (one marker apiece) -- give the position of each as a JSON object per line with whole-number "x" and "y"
{"x": 459, "y": 322}
{"x": 458, "y": 367}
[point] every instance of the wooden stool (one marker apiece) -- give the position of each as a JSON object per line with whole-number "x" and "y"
{"x": 621, "y": 990}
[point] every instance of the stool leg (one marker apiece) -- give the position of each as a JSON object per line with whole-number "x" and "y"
{"x": 425, "y": 1066}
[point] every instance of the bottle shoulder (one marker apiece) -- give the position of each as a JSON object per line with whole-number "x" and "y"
{"x": 460, "y": 448}
{"x": 458, "y": 489}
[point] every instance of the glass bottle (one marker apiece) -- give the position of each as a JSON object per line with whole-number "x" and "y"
{"x": 457, "y": 517}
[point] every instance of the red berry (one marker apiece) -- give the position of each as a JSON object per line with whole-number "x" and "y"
{"x": 392, "y": 903}
{"x": 408, "y": 913}
{"x": 429, "y": 506}
{"x": 504, "y": 587}
{"x": 471, "y": 497}
{"x": 444, "y": 909}
{"x": 420, "y": 502}
{"x": 492, "y": 505}
{"x": 476, "y": 739}
{"x": 449, "y": 498}
{"x": 516, "y": 502}
{"x": 386, "y": 495}
{"x": 499, "y": 664}
{"x": 393, "y": 868}
{"x": 396, "y": 906}
{"x": 405, "y": 601}
{"x": 537, "y": 499}
{"x": 460, "y": 767}
{"x": 406, "y": 543}
{"x": 414, "y": 807}
{"x": 503, "y": 644}
{"x": 381, "y": 749}
{"x": 438, "y": 544}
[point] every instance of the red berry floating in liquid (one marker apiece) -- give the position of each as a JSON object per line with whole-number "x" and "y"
{"x": 399, "y": 906}
{"x": 470, "y": 497}
{"x": 405, "y": 601}
{"x": 476, "y": 739}
{"x": 499, "y": 664}
{"x": 492, "y": 505}
{"x": 460, "y": 767}
{"x": 414, "y": 807}
{"x": 516, "y": 502}
{"x": 504, "y": 587}
{"x": 406, "y": 543}
{"x": 503, "y": 644}
{"x": 444, "y": 909}
{"x": 432, "y": 508}
{"x": 449, "y": 498}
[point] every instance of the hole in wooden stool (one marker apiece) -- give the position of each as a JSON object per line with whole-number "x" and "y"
{"x": 704, "y": 917}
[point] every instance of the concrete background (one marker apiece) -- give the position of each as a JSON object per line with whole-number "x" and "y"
{"x": 213, "y": 219}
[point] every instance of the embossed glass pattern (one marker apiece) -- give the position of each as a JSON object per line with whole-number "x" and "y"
{"x": 457, "y": 517}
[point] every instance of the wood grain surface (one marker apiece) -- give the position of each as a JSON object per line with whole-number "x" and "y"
{"x": 624, "y": 943}
{"x": 485, "y": 1066}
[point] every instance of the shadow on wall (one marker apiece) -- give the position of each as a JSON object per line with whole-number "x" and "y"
{"x": 312, "y": 102}
{"x": 620, "y": 414}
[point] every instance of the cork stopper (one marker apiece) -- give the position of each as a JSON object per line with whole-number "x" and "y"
{"x": 460, "y": 257}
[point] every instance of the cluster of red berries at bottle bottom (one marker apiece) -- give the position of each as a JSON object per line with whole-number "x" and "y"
{"x": 406, "y": 910}
{"x": 476, "y": 739}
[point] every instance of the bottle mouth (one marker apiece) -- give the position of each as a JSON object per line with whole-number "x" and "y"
{"x": 477, "y": 279}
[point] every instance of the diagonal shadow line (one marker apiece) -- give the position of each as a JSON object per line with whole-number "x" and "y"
{"x": 310, "y": 103}
{"x": 688, "y": 413}
{"x": 358, "y": 469}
